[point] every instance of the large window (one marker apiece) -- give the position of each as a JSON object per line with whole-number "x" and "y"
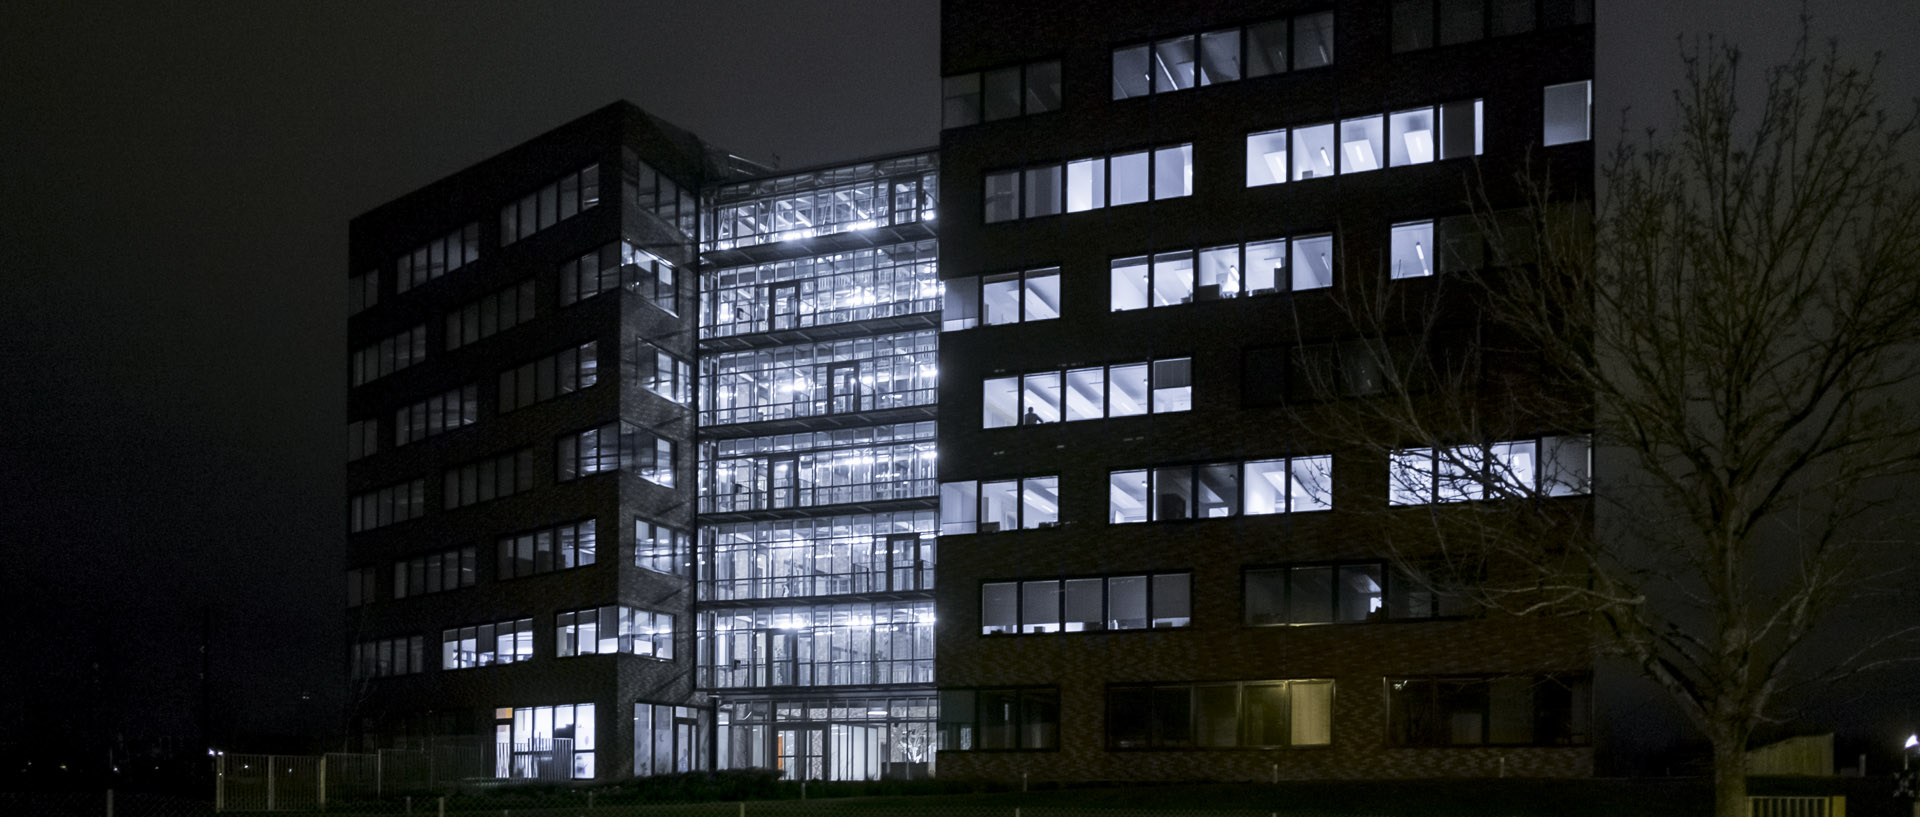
{"x": 811, "y": 469}
{"x": 659, "y": 548}
{"x": 1247, "y": 714}
{"x": 991, "y": 506}
{"x": 1088, "y": 184}
{"x": 438, "y": 257}
{"x": 1158, "y": 601}
{"x": 669, "y": 739}
{"x": 1010, "y": 297}
{"x": 646, "y": 190}
{"x": 1569, "y": 113}
{"x": 1230, "y": 271}
{"x": 817, "y": 379}
{"x": 487, "y": 479}
{"x": 503, "y": 642}
{"x": 1507, "y": 710}
{"x": 381, "y": 507}
{"x": 389, "y": 355}
{"x": 614, "y": 629}
{"x": 819, "y": 556}
{"x": 1318, "y": 594}
{"x": 571, "y": 195}
{"x": 1213, "y": 57}
{"x": 1220, "y": 490}
{"x": 896, "y": 191}
{"x": 531, "y": 739}
{"x": 574, "y": 544}
{"x": 433, "y": 573}
{"x": 817, "y": 645}
{"x": 490, "y": 314}
{"x": 864, "y": 284}
{"x": 617, "y": 446}
{"x": 621, "y": 265}
{"x": 1408, "y": 137}
{"x": 437, "y": 414}
{"x": 1000, "y": 719}
{"x": 1511, "y": 469}
{"x": 386, "y": 657}
{"x": 1119, "y": 390}
{"x": 659, "y": 372}
{"x": 563, "y": 372}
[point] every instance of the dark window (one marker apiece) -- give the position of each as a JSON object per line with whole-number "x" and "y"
{"x": 1000, "y": 719}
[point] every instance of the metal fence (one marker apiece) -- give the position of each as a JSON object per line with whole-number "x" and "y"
{"x": 251, "y": 782}
{"x": 1797, "y": 806}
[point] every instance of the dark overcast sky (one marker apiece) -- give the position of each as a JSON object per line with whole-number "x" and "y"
{"x": 175, "y": 185}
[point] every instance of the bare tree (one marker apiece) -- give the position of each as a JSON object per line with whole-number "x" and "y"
{"x": 1735, "y": 323}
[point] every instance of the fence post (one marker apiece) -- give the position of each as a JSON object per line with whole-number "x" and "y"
{"x": 109, "y": 802}
{"x": 271, "y": 760}
{"x": 378, "y": 789}
{"x": 409, "y": 805}
{"x": 743, "y": 808}
{"x": 589, "y": 801}
{"x": 320, "y": 787}
{"x": 442, "y": 810}
{"x": 220, "y": 782}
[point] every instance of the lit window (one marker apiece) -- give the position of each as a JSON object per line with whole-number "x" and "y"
{"x": 1220, "y": 56}
{"x": 1313, "y": 40}
{"x": 1361, "y": 145}
{"x": 1173, "y": 64}
{"x": 1313, "y": 262}
{"x": 1462, "y": 128}
{"x": 1267, "y": 157}
{"x": 1130, "y": 75}
{"x": 1128, "y": 184}
{"x": 1411, "y": 251}
{"x": 1002, "y": 196}
{"x": 1173, "y": 172}
{"x": 1042, "y": 191}
{"x": 1267, "y": 48}
{"x": 1568, "y": 110}
{"x": 1313, "y": 152}
{"x": 1086, "y": 185}
{"x": 1410, "y": 137}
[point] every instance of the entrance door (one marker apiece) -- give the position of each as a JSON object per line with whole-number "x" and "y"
{"x": 801, "y": 753}
{"x": 783, "y": 311}
{"x": 843, "y": 388}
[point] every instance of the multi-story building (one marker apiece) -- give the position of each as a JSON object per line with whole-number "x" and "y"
{"x": 521, "y": 454}
{"x": 819, "y": 323}
{"x": 1160, "y": 543}
{"x": 650, "y": 447}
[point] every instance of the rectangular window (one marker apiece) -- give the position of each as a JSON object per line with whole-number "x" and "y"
{"x": 1462, "y": 21}
{"x": 438, "y": 257}
{"x": 1312, "y": 262}
{"x": 561, "y": 373}
{"x": 1003, "y": 505}
{"x": 1220, "y": 56}
{"x": 436, "y": 415}
{"x": 1173, "y": 64}
{"x": 574, "y": 544}
{"x": 1362, "y": 144}
{"x": 1043, "y": 87}
{"x": 614, "y": 447}
{"x": 1313, "y": 152}
{"x": 1499, "y": 470}
{"x": 1173, "y": 172}
{"x": 389, "y": 355}
{"x": 1132, "y": 76}
{"x": 363, "y": 291}
{"x": 1080, "y": 394}
{"x": 1267, "y": 48}
{"x": 1410, "y": 137}
{"x": 363, "y": 438}
{"x": 1461, "y": 129}
{"x": 1042, "y": 192}
{"x": 481, "y": 645}
{"x": 434, "y": 573}
{"x": 1255, "y": 488}
{"x": 1569, "y": 113}
{"x": 1315, "y": 594}
{"x": 1002, "y": 196}
{"x": 1127, "y": 182}
{"x": 360, "y": 586}
{"x": 1001, "y": 94}
{"x": 543, "y": 208}
{"x": 613, "y": 629}
{"x": 1250, "y": 714}
{"x": 1313, "y": 40}
{"x": 1159, "y": 601}
{"x": 659, "y": 548}
{"x": 388, "y": 657}
{"x": 487, "y": 479}
{"x": 960, "y": 101}
{"x": 1086, "y": 184}
{"x": 1412, "y": 25}
{"x": 1266, "y": 157}
{"x": 1508, "y": 710}
{"x": 1410, "y": 249}
{"x": 490, "y": 314}
{"x": 386, "y": 506}
{"x": 1000, "y": 719}
{"x": 959, "y": 507}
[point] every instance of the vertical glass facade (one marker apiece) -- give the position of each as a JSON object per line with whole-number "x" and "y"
{"x": 819, "y": 308}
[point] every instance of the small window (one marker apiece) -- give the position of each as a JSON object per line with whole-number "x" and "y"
{"x": 961, "y": 307}
{"x": 1127, "y": 390}
{"x": 1002, "y": 196}
{"x": 999, "y": 608}
{"x": 1129, "y": 283}
{"x": 1410, "y": 137}
{"x": 1043, "y": 87}
{"x": 960, "y": 101}
{"x": 1310, "y": 484}
{"x": 1173, "y": 64}
{"x": 1512, "y": 17}
{"x": 1040, "y": 395}
{"x": 1412, "y": 246}
{"x": 1128, "y": 183}
{"x": 1460, "y": 129}
{"x": 1218, "y": 275}
{"x": 1002, "y": 96}
{"x": 1267, "y": 48}
{"x": 1172, "y": 600}
{"x": 1267, "y": 157}
{"x": 1130, "y": 75}
{"x": 1040, "y": 502}
{"x": 1043, "y": 191}
{"x": 1040, "y": 607}
{"x": 1041, "y": 299}
{"x": 1086, "y": 185}
{"x": 1361, "y": 145}
{"x": 1569, "y": 466}
{"x": 1173, "y": 385}
{"x": 1313, "y": 262}
{"x": 1313, "y": 40}
{"x": 999, "y": 506}
{"x": 1086, "y": 394}
{"x": 1220, "y": 56}
{"x": 1413, "y": 25}
{"x": 1127, "y": 497}
{"x": 1462, "y": 21}
{"x": 1313, "y": 152}
{"x": 1569, "y": 110}
{"x": 1000, "y": 402}
{"x": 1172, "y": 278}
{"x": 1000, "y": 299}
{"x": 1173, "y": 172}
{"x": 959, "y": 507}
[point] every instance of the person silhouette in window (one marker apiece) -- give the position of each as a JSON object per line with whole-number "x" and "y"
{"x": 1032, "y": 418}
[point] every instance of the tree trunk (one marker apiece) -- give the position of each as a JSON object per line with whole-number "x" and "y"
{"x": 1729, "y": 777}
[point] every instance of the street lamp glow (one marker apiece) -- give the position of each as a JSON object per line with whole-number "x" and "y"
{"x": 1912, "y": 741}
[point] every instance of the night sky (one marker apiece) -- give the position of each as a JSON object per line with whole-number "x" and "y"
{"x": 175, "y": 186}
